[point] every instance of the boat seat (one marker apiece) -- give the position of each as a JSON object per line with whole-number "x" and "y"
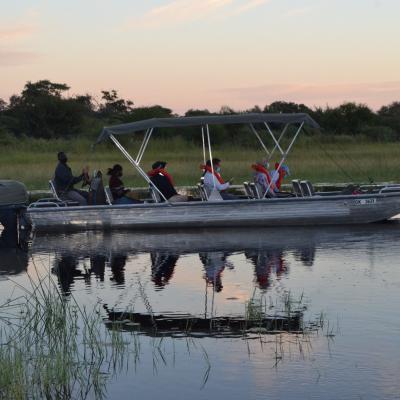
{"x": 52, "y": 187}
{"x": 155, "y": 195}
{"x": 202, "y": 192}
{"x": 57, "y": 197}
{"x": 109, "y": 195}
{"x": 255, "y": 190}
{"x": 297, "y": 190}
{"x": 310, "y": 188}
{"x": 248, "y": 190}
{"x": 307, "y": 188}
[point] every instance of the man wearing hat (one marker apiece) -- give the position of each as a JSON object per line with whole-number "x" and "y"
{"x": 164, "y": 182}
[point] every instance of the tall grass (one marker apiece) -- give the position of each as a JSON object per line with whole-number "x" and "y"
{"x": 52, "y": 348}
{"x": 319, "y": 159}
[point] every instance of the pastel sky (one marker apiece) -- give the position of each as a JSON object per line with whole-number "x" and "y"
{"x": 206, "y": 53}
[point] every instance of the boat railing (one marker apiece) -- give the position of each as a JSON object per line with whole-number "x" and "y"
{"x": 155, "y": 195}
{"x": 390, "y": 189}
{"x": 109, "y": 195}
{"x": 47, "y": 202}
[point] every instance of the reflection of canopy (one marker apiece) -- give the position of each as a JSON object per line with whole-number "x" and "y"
{"x": 253, "y": 118}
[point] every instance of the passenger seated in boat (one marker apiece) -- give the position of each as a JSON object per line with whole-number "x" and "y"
{"x": 64, "y": 181}
{"x": 262, "y": 178}
{"x": 120, "y": 194}
{"x": 96, "y": 189}
{"x": 164, "y": 182}
{"x": 278, "y": 174}
{"x": 213, "y": 180}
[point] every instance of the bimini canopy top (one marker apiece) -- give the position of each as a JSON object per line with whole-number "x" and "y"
{"x": 132, "y": 127}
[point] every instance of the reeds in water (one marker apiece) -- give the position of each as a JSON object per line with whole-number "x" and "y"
{"x": 52, "y": 348}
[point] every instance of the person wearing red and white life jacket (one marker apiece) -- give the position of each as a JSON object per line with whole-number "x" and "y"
{"x": 213, "y": 179}
{"x": 278, "y": 174}
{"x": 262, "y": 178}
{"x": 164, "y": 182}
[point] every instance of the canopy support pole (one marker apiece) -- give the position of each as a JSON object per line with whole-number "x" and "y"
{"x": 279, "y": 141}
{"x": 204, "y": 144}
{"x": 260, "y": 140}
{"x": 209, "y": 150}
{"x": 273, "y": 138}
{"x": 285, "y": 153}
{"x": 141, "y": 146}
{"x": 136, "y": 165}
{"x": 144, "y": 145}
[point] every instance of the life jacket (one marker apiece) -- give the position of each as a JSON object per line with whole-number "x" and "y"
{"x": 206, "y": 168}
{"x": 161, "y": 171}
{"x": 281, "y": 173}
{"x": 263, "y": 170}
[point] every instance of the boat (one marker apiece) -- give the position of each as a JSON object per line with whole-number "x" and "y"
{"x": 328, "y": 208}
{"x": 13, "y": 200}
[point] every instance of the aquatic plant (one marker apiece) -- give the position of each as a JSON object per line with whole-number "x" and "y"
{"x": 51, "y": 348}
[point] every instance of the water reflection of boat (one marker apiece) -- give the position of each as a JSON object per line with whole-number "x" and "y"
{"x": 266, "y": 264}
{"x": 214, "y": 263}
{"x": 301, "y": 240}
{"x": 266, "y": 249}
{"x": 162, "y": 267}
{"x": 13, "y": 261}
{"x": 66, "y": 269}
{"x": 13, "y": 252}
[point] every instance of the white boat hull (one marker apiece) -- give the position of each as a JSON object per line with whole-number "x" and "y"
{"x": 317, "y": 210}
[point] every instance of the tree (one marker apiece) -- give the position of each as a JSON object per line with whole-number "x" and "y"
{"x": 348, "y": 118}
{"x": 113, "y": 106}
{"x": 41, "y": 111}
{"x": 255, "y": 109}
{"x": 3, "y": 105}
{"x": 392, "y": 110}
{"x": 390, "y": 116}
{"x": 287, "y": 107}
{"x": 197, "y": 113}
{"x": 43, "y": 88}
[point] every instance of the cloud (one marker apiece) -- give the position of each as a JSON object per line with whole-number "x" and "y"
{"x": 179, "y": 11}
{"x": 184, "y": 11}
{"x": 297, "y": 12}
{"x": 16, "y": 32}
{"x": 373, "y": 94}
{"x": 17, "y": 58}
{"x": 13, "y": 39}
{"x": 248, "y": 5}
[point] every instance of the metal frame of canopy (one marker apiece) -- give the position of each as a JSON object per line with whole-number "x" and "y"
{"x": 204, "y": 122}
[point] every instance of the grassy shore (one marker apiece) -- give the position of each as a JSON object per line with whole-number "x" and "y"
{"x": 319, "y": 159}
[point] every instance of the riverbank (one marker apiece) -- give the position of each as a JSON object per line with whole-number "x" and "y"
{"x": 328, "y": 159}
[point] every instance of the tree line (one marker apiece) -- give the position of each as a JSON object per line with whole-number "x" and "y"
{"x": 43, "y": 110}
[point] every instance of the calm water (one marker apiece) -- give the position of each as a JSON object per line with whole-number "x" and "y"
{"x": 349, "y": 274}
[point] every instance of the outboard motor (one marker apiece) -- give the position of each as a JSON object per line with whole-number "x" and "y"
{"x": 13, "y": 200}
